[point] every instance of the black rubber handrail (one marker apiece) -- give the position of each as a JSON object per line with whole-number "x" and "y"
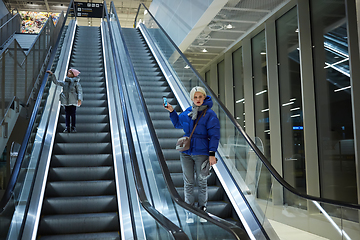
{"x": 170, "y": 227}
{"x": 236, "y": 231}
{"x": 262, "y": 157}
{"x": 16, "y": 170}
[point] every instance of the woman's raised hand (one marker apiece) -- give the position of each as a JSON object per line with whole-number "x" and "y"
{"x": 169, "y": 107}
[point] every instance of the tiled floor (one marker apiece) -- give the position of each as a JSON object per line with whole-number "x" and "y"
{"x": 289, "y": 233}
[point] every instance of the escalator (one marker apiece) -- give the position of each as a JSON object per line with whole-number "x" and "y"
{"x": 154, "y": 86}
{"x": 80, "y": 197}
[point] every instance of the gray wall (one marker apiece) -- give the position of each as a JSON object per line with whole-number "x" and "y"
{"x": 3, "y": 9}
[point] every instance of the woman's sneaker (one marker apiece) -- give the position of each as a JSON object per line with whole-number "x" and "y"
{"x": 73, "y": 129}
{"x": 189, "y": 217}
{"x": 203, "y": 220}
{"x": 67, "y": 130}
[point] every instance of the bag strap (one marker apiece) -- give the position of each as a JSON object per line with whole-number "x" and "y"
{"x": 202, "y": 114}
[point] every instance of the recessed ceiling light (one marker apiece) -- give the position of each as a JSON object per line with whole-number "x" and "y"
{"x": 204, "y": 50}
{"x": 229, "y": 26}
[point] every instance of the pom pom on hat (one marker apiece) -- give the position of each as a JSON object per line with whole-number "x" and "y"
{"x": 75, "y": 71}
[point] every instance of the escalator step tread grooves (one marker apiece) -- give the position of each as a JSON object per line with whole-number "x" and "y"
{"x": 80, "y": 196}
{"x": 153, "y": 86}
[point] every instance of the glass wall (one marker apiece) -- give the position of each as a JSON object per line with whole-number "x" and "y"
{"x": 291, "y": 116}
{"x": 261, "y": 107}
{"x": 261, "y": 103}
{"x": 207, "y": 77}
{"x": 333, "y": 100}
{"x": 238, "y": 78}
{"x": 221, "y": 91}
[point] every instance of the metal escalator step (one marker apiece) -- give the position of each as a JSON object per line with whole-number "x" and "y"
{"x": 93, "y": 90}
{"x": 79, "y": 223}
{"x": 167, "y": 143}
{"x": 92, "y": 76}
{"x": 164, "y": 115}
{"x": 85, "y": 160}
{"x": 87, "y": 127}
{"x": 77, "y": 205}
{"x": 177, "y": 178}
{"x": 152, "y": 94}
{"x": 80, "y": 188}
{"x": 82, "y": 148}
{"x": 155, "y": 89}
{"x": 83, "y": 118}
{"x": 84, "y": 236}
{"x": 165, "y": 133}
{"x": 83, "y": 137}
{"x": 174, "y": 166}
{"x": 89, "y": 69}
{"x": 81, "y": 173}
{"x": 94, "y": 103}
{"x": 164, "y": 124}
{"x": 171, "y": 154}
{"x": 154, "y": 82}
{"x": 91, "y": 110}
{"x": 99, "y": 84}
{"x": 215, "y": 193}
{"x": 158, "y": 107}
{"x": 221, "y": 209}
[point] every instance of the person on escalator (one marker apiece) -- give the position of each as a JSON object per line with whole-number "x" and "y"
{"x": 71, "y": 96}
{"x": 203, "y": 145}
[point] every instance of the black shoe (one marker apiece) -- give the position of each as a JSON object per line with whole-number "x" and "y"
{"x": 67, "y": 130}
{"x": 73, "y": 129}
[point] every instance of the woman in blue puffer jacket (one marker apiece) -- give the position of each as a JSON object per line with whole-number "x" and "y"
{"x": 204, "y": 143}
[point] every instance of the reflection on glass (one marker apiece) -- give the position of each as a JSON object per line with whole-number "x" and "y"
{"x": 221, "y": 95}
{"x": 333, "y": 101}
{"x": 262, "y": 127}
{"x": 207, "y": 77}
{"x": 238, "y": 76}
{"x": 292, "y": 135}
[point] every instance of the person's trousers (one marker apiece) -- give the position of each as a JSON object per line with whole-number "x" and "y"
{"x": 70, "y": 112}
{"x": 191, "y": 165}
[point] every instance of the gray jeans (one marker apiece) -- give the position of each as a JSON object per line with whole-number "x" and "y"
{"x": 189, "y": 163}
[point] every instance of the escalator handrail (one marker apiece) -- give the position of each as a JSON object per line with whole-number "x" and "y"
{"x": 16, "y": 170}
{"x": 262, "y": 157}
{"x": 171, "y": 228}
{"x": 236, "y": 231}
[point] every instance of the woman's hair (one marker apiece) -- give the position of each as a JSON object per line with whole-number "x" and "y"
{"x": 197, "y": 89}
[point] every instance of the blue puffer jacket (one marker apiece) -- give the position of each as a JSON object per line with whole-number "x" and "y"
{"x": 207, "y": 133}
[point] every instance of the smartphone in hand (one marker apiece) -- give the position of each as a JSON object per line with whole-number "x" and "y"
{"x": 165, "y": 101}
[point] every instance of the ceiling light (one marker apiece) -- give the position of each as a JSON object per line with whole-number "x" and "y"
{"x": 229, "y": 26}
{"x": 259, "y": 93}
{"x": 187, "y": 67}
{"x": 204, "y": 50}
{"x": 297, "y": 30}
{"x": 263, "y": 53}
{"x": 286, "y": 104}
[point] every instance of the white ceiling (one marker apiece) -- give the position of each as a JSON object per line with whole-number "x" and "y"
{"x": 216, "y": 34}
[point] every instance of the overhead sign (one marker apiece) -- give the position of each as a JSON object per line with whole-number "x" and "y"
{"x": 84, "y": 9}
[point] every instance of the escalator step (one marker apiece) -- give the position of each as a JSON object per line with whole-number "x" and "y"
{"x": 77, "y": 205}
{"x": 87, "y": 236}
{"x": 82, "y": 188}
{"x": 79, "y": 223}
